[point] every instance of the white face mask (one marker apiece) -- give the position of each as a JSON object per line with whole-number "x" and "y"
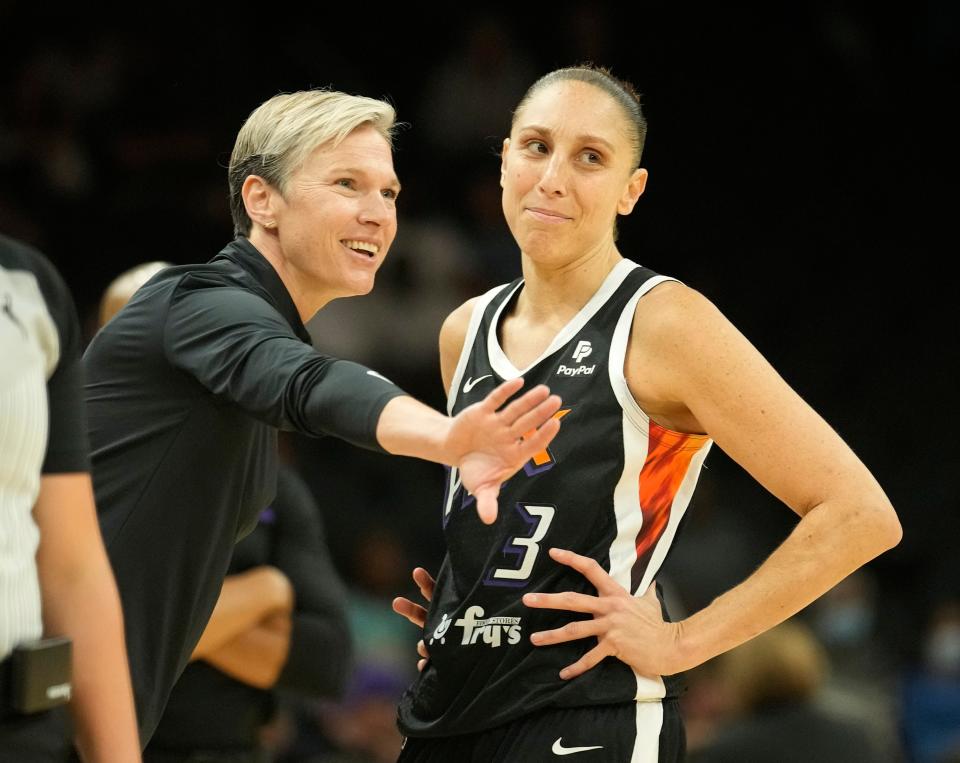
{"x": 844, "y": 625}
{"x": 942, "y": 650}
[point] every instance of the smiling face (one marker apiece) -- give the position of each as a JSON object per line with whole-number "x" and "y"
{"x": 567, "y": 171}
{"x": 337, "y": 216}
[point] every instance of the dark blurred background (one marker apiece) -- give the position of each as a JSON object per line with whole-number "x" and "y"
{"x": 800, "y": 176}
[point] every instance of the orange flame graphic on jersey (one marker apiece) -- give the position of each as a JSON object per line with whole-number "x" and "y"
{"x": 544, "y": 459}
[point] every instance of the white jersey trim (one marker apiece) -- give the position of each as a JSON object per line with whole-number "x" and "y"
{"x": 618, "y": 357}
{"x": 502, "y": 364}
{"x": 627, "y": 509}
{"x": 646, "y": 748}
{"x": 475, "y": 318}
{"x": 629, "y": 518}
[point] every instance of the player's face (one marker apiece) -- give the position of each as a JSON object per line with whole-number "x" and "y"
{"x": 338, "y": 215}
{"x": 567, "y": 171}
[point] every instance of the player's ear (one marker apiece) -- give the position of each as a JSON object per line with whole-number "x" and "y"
{"x": 503, "y": 159}
{"x": 633, "y": 191}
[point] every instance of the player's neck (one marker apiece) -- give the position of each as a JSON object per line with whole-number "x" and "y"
{"x": 554, "y": 291}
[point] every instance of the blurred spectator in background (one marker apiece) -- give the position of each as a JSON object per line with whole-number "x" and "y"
{"x": 931, "y": 696}
{"x": 124, "y": 286}
{"x": 862, "y": 678}
{"x": 774, "y": 683}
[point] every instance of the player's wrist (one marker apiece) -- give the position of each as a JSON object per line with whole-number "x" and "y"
{"x": 685, "y": 647}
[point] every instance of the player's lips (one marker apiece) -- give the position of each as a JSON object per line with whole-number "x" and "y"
{"x": 547, "y": 215}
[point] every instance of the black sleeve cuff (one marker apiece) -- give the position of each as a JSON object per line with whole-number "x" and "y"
{"x": 348, "y": 401}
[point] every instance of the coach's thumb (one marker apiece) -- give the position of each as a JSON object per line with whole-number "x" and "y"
{"x": 487, "y": 504}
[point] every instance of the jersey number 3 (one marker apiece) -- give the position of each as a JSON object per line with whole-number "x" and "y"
{"x": 524, "y": 548}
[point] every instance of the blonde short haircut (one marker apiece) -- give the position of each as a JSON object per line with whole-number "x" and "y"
{"x": 282, "y": 132}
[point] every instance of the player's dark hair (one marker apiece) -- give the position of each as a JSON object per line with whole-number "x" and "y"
{"x": 620, "y": 90}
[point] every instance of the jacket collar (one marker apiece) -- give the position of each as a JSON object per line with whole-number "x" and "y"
{"x": 248, "y": 257}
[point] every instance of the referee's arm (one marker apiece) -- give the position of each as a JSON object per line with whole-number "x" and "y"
{"x": 79, "y": 594}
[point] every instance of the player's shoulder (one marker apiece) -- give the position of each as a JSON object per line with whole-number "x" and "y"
{"x": 455, "y": 327}
{"x": 671, "y": 309}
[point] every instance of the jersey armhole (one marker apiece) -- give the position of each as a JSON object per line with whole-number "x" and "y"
{"x": 475, "y": 319}
{"x": 618, "y": 381}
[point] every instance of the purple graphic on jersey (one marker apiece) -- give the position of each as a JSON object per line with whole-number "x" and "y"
{"x": 465, "y": 500}
{"x": 268, "y": 516}
{"x": 531, "y": 469}
{"x": 517, "y": 552}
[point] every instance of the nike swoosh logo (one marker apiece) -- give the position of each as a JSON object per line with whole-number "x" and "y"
{"x": 379, "y": 376}
{"x": 559, "y": 749}
{"x": 469, "y": 384}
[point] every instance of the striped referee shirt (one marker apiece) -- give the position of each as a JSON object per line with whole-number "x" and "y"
{"x": 41, "y": 422}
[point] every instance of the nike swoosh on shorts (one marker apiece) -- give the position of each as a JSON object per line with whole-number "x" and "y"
{"x": 559, "y": 749}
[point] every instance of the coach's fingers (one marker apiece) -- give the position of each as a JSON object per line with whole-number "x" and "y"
{"x": 501, "y": 394}
{"x": 537, "y": 441}
{"x": 531, "y": 410}
{"x": 487, "y": 503}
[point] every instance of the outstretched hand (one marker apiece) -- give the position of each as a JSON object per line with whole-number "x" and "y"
{"x": 630, "y": 628}
{"x": 490, "y": 445}
{"x": 417, "y": 613}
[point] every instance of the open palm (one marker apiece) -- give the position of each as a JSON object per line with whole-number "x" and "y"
{"x": 491, "y": 443}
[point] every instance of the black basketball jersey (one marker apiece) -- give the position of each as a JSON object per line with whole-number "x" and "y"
{"x": 612, "y": 485}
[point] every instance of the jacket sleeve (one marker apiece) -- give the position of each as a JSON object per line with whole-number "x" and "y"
{"x": 318, "y": 662}
{"x": 235, "y": 344}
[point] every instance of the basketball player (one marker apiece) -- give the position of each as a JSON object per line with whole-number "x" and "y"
{"x": 651, "y": 375}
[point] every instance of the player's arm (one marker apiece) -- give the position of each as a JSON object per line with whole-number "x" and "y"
{"x": 687, "y": 355}
{"x": 80, "y": 600}
{"x": 453, "y": 333}
{"x": 704, "y": 362}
